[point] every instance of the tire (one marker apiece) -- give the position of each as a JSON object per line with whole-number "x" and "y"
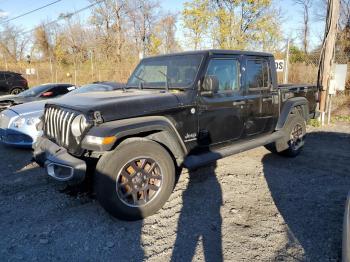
{"x": 292, "y": 144}
{"x": 125, "y": 173}
{"x": 16, "y": 91}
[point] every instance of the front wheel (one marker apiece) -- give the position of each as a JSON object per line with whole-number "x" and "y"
{"x": 135, "y": 180}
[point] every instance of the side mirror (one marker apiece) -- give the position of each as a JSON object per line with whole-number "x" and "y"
{"x": 210, "y": 85}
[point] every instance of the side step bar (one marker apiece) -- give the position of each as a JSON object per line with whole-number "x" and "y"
{"x": 195, "y": 161}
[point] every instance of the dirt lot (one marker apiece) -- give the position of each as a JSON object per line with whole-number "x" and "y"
{"x": 254, "y": 206}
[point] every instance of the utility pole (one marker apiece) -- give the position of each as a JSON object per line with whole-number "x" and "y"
{"x": 6, "y": 65}
{"x": 51, "y": 69}
{"x": 286, "y": 64}
{"x": 92, "y": 65}
{"x": 327, "y": 55}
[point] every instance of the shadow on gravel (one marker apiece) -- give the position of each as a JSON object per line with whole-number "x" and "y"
{"x": 200, "y": 221}
{"x": 310, "y": 192}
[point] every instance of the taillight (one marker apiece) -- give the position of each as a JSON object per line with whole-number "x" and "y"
{"x": 24, "y": 81}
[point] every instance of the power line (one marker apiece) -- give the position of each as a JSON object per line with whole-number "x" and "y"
{"x": 29, "y": 12}
{"x": 65, "y": 16}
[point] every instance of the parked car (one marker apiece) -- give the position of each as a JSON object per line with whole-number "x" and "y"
{"x": 17, "y": 124}
{"x": 12, "y": 83}
{"x": 40, "y": 92}
{"x": 186, "y": 110}
{"x": 346, "y": 232}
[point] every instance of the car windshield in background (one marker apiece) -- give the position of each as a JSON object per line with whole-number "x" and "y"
{"x": 178, "y": 70}
{"x": 91, "y": 88}
{"x": 34, "y": 91}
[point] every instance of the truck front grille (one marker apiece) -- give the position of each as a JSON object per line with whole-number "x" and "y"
{"x": 57, "y": 127}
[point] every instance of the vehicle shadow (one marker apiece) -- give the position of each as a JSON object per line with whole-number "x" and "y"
{"x": 39, "y": 222}
{"x": 206, "y": 231}
{"x": 309, "y": 192}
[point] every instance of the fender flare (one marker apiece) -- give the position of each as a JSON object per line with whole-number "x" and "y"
{"x": 288, "y": 107}
{"x": 156, "y": 128}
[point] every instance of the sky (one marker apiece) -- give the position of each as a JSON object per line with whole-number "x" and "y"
{"x": 290, "y": 23}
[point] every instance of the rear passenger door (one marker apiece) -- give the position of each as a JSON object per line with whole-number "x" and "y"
{"x": 259, "y": 96}
{"x": 221, "y": 116}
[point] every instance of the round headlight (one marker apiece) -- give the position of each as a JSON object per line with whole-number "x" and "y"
{"x": 32, "y": 120}
{"x": 19, "y": 122}
{"x": 78, "y": 125}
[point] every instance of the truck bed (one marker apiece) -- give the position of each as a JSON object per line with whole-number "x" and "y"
{"x": 310, "y": 92}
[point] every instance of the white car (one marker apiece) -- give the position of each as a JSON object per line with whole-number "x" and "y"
{"x": 18, "y": 123}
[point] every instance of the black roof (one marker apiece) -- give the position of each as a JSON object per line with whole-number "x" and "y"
{"x": 10, "y": 72}
{"x": 57, "y": 84}
{"x": 216, "y": 52}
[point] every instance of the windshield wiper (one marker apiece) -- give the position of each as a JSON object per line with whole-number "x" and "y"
{"x": 142, "y": 81}
{"x": 167, "y": 80}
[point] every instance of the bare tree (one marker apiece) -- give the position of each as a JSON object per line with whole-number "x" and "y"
{"x": 109, "y": 18}
{"x": 143, "y": 15}
{"x": 42, "y": 42}
{"x": 167, "y": 30}
{"x": 344, "y": 19}
{"x": 306, "y": 6}
{"x": 13, "y": 42}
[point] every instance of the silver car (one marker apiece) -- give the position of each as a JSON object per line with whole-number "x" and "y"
{"x": 18, "y": 123}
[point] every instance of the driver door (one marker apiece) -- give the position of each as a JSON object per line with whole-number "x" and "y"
{"x": 221, "y": 115}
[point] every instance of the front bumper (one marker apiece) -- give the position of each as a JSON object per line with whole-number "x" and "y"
{"x": 15, "y": 138}
{"x": 58, "y": 163}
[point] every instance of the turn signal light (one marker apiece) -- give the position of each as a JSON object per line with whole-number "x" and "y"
{"x": 95, "y": 140}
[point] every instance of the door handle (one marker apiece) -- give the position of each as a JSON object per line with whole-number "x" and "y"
{"x": 238, "y": 103}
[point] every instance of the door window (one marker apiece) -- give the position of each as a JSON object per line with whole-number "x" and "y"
{"x": 8, "y": 76}
{"x": 257, "y": 74}
{"x": 58, "y": 90}
{"x": 227, "y": 73}
{"x": 2, "y": 77}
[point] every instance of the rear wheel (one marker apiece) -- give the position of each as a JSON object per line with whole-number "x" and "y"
{"x": 16, "y": 91}
{"x": 293, "y": 141}
{"x": 135, "y": 180}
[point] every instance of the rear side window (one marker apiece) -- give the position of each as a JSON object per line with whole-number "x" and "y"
{"x": 7, "y": 76}
{"x": 227, "y": 73}
{"x": 2, "y": 77}
{"x": 257, "y": 74}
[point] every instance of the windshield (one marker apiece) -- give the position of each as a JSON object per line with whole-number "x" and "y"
{"x": 91, "y": 88}
{"x": 179, "y": 71}
{"x": 34, "y": 91}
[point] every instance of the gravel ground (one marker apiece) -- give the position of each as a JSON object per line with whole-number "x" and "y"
{"x": 254, "y": 206}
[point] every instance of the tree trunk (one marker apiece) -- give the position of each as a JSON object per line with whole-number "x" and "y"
{"x": 328, "y": 51}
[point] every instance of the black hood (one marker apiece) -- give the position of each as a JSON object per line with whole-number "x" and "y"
{"x": 123, "y": 104}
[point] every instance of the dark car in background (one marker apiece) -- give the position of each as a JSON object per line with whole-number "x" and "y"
{"x": 36, "y": 93}
{"x": 12, "y": 83}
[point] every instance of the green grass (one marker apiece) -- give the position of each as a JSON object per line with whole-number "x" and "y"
{"x": 314, "y": 123}
{"x": 345, "y": 118}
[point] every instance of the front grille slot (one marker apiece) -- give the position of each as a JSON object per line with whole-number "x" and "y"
{"x": 57, "y": 125}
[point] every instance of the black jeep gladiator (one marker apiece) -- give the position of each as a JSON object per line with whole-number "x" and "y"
{"x": 179, "y": 110}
